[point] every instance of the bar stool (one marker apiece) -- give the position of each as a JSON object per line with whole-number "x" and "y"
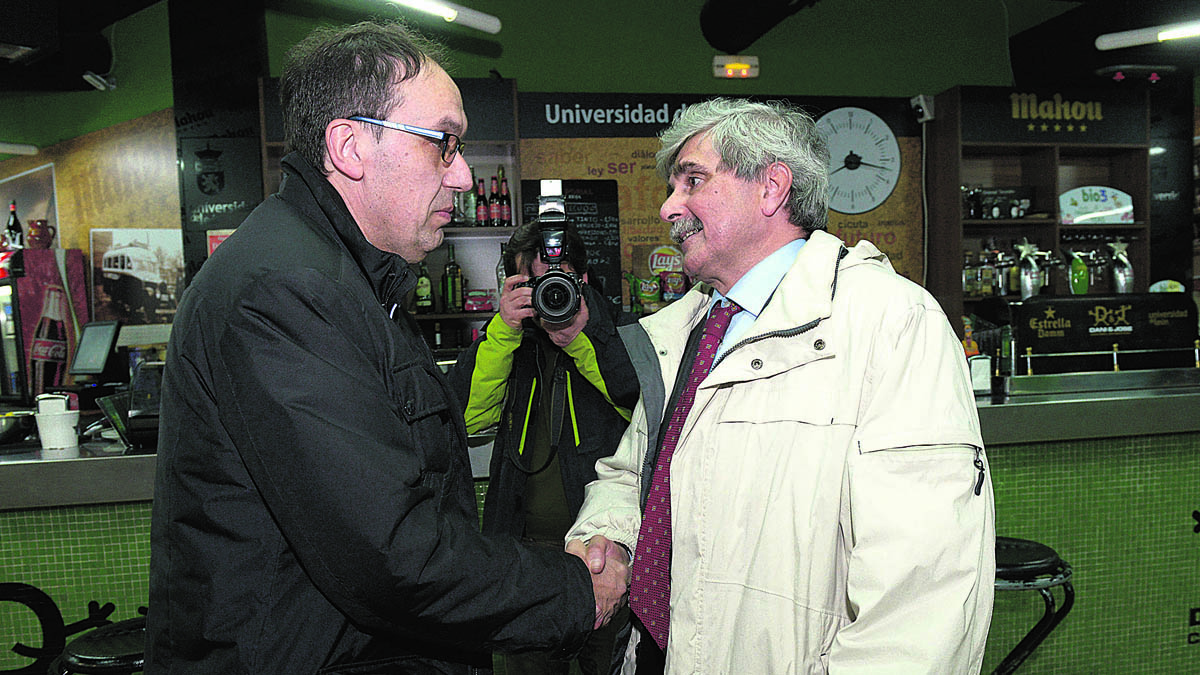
{"x": 116, "y": 649}
{"x": 1023, "y": 565}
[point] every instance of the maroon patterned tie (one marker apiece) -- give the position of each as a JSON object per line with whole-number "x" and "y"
{"x": 650, "y": 589}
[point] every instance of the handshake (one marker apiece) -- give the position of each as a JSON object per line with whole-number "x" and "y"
{"x": 609, "y": 564}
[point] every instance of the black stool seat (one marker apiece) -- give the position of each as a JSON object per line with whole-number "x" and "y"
{"x": 1023, "y": 562}
{"x": 115, "y": 649}
{"x": 1023, "y": 565}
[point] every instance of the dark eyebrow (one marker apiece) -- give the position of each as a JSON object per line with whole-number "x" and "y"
{"x": 450, "y": 125}
{"x": 687, "y": 166}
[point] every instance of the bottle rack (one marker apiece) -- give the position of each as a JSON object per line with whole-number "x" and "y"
{"x": 1046, "y": 169}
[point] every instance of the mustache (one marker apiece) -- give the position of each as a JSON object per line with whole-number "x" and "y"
{"x": 685, "y": 227}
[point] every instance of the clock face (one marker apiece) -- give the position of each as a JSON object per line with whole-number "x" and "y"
{"x": 864, "y": 159}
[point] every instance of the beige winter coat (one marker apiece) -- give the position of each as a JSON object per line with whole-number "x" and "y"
{"x": 831, "y": 504}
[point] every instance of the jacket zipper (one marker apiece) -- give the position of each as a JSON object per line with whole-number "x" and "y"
{"x": 790, "y": 332}
{"x": 979, "y": 466}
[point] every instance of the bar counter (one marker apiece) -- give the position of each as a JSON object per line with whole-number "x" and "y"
{"x": 1110, "y": 480}
{"x": 102, "y": 476}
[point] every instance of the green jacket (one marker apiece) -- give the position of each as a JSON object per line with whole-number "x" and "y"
{"x": 500, "y": 380}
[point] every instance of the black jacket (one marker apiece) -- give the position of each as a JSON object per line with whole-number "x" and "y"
{"x": 314, "y": 508}
{"x": 595, "y": 412}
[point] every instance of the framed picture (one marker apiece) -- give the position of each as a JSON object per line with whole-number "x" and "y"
{"x": 137, "y": 275}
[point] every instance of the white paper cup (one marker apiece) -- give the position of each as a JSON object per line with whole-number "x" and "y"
{"x": 58, "y": 429}
{"x": 60, "y": 453}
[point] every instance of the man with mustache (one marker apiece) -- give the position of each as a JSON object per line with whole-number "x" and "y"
{"x": 314, "y": 509}
{"x": 803, "y": 481}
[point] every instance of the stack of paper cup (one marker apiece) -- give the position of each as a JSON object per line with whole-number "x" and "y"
{"x": 57, "y": 427}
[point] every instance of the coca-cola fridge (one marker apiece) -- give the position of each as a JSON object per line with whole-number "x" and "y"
{"x": 43, "y": 306}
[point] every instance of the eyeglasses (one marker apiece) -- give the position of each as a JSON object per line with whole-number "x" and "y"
{"x": 448, "y": 142}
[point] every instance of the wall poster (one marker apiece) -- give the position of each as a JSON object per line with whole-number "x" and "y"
{"x": 137, "y": 275}
{"x": 34, "y": 193}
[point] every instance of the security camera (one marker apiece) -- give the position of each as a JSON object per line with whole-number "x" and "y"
{"x": 922, "y": 105}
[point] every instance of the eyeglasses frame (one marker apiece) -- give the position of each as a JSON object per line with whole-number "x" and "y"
{"x": 457, "y": 146}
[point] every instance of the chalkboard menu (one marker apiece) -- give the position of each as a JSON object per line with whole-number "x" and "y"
{"x": 592, "y": 208}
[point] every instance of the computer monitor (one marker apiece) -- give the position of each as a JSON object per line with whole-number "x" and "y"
{"x": 96, "y": 356}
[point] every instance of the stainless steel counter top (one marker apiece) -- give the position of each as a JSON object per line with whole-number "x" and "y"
{"x": 102, "y": 475}
{"x": 1101, "y": 415}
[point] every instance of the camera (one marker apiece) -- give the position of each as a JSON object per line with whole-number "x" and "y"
{"x": 557, "y": 293}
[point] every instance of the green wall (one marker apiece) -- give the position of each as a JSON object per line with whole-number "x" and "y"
{"x": 143, "y": 75}
{"x": 837, "y": 47}
{"x": 1118, "y": 510}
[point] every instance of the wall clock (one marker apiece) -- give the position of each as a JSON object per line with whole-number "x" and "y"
{"x": 864, "y": 159}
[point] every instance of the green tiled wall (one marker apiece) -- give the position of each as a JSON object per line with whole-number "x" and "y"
{"x": 1119, "y": 510}
{"x": 74, "y": 555}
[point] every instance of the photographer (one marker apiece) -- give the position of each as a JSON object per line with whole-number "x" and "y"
{"x": 561, "y": 395}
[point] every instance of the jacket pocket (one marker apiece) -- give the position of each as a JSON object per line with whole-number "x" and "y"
{"x": 417, "y": 393}
{"x": 422, "y": 402}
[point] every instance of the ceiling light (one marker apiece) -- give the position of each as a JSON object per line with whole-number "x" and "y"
{"x": 18, "y": 148}
{"x": 455, "y": 13}
{"x": 1147, "y": 36}
{"x": 100, "y": 82}
{"x": 735, "y": 67}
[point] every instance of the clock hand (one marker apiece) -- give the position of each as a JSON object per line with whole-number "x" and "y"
{"x": 875, "y": 166}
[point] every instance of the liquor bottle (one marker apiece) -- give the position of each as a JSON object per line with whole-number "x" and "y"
{"x": 13, "y": 232}
{"x": 452, "y": 291}
{"x": 505, "y": 205}
{"x": 987, "y": 275}
{"x": 500, "y": 274}
{"x": 500, "y": 172}
{"x": 482, "y": 208}
{"x": 437, "y": 335}
{"x": 494, "y": 203}
{"x": 468, "y": 203}
{"x": 1122, "y": 268}
{"x": 48, "y": 351}
{"x": 1078, "y": 274}
{"x": 424, "y": 294}
{"x": 970, "y": 275}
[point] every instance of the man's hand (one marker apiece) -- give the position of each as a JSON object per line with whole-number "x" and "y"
{"x": 561, "y": 334}
{"x": 516, "y": 304}
{"x": 609, "y": 565}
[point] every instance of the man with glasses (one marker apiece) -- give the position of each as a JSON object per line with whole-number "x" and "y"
{"x": 314, "y": 509}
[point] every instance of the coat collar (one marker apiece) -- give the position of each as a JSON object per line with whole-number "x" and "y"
{"x": 304, "y": 187}
{"x": 809, "y": 286}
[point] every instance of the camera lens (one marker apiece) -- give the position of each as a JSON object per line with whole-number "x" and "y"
{"x": 556, "y": 297}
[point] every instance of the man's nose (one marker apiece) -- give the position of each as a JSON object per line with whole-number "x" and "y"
{"x": 672, "y": 208}
{"x": 458, "y": 176}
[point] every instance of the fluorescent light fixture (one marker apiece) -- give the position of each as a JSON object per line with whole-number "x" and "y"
{"x": 455, "y": 13}
{"x": 18, "y": 149}
{"x": 100, "y": 82}
{"x": 1147, "y": 36}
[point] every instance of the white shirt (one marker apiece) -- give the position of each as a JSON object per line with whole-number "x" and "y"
{"x": 753, "y": 291}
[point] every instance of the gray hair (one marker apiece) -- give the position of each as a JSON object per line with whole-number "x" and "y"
{"x": 749, "y": 136}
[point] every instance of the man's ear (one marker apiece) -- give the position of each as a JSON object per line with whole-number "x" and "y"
{"x": 776, "y": 186}
{"x": 344, "y": 148}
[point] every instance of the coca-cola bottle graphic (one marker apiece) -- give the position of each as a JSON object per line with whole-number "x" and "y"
{"x": 48, "y": 350}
